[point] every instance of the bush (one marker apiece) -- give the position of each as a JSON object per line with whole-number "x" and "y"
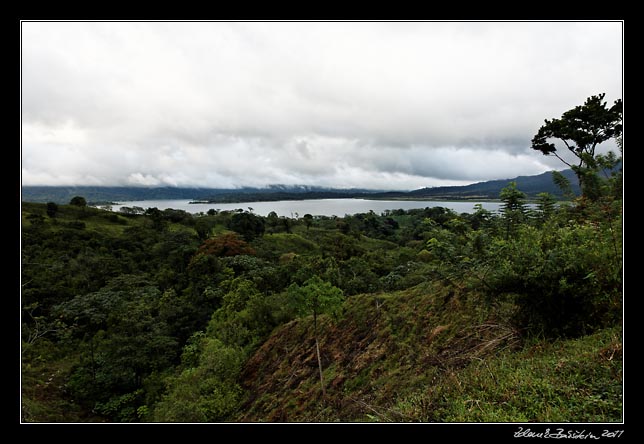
{"x": 565, "y": 280}
{"x": 205, "y": 393}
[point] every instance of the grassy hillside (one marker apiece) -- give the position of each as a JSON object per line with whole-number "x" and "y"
{"x": 431, "y": 353}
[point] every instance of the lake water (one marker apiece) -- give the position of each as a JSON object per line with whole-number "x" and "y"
{"x": 315, "y": 207}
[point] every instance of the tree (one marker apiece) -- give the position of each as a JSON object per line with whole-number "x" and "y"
{"x": 581, "y": 129}
{"x": 286, "y": 222}
{"x": 308, "y": 220}
{"x": 316, "y": 297}
{"x": 52, "y": 209}
{"x": 545, "y": 206}
{"x": 156, "y": 216}
{"x": 513, "y": 208}
{"x": 563, "y": 184}
{"x": 247, "y": 224}
{"x": 203, "y": 227}
{"x": 272, "y": 221}
{"x": 78, "y": 201}
{"x": 481, "y": 217}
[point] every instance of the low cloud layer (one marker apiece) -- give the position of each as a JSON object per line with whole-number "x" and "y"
{"x": 369, "y": 105}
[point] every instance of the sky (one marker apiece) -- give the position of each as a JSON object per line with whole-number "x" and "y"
{"x": 377, "y": 105}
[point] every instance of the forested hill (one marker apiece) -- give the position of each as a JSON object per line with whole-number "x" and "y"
{"x": 63, "y": 194}
{"x": 99, "y": 194}
{"x": 531, "y": 185}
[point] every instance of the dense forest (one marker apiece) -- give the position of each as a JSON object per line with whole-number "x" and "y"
{"x": 418, "y": 315}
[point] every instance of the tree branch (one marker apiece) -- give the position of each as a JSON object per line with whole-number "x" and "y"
{"x": 559, "y": 157}
{"x": 568, "y": 146}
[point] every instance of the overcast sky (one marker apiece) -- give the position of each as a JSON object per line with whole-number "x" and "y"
{"x": 351, "y": 104}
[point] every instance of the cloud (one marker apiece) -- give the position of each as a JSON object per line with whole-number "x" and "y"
{"x": 384, "y": 105}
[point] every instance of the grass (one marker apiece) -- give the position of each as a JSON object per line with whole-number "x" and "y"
{"x": 432, "y": 354}
{"x": 272, "y": 246}
{"x": 576, "y": 380}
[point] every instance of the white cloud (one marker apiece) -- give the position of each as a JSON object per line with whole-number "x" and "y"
{"x": 383, "y": 105}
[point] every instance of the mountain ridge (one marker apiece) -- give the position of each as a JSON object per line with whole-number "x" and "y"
{"x": 531, "y": 185}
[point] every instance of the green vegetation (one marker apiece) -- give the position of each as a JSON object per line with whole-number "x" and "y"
{"x": 138, "y": 317}
{"x": 418, "y": 315}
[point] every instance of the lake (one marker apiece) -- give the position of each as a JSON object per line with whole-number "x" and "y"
{"x": 315, "y": 207}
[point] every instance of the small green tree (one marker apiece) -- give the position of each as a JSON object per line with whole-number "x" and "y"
{"x": 545, "y": 206}
{"x": 316, "y": 297}
{"x": 513, "y": 208}
{"x": 78, "y": 201}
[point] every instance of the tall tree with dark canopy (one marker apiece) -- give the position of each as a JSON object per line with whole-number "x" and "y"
{"x": 581, "y": 130}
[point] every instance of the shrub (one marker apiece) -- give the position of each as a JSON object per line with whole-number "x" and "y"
{"x": 565, "y": 280}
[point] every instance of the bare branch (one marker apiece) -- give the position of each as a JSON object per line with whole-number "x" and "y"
{"x": 568, "y": 146}
{"x": 559, "y": 157}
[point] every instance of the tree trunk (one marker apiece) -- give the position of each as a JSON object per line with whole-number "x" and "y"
{"x": 317, "y": 350}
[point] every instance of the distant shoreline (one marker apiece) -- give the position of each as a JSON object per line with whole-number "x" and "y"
{"x": 376, "y": 198}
